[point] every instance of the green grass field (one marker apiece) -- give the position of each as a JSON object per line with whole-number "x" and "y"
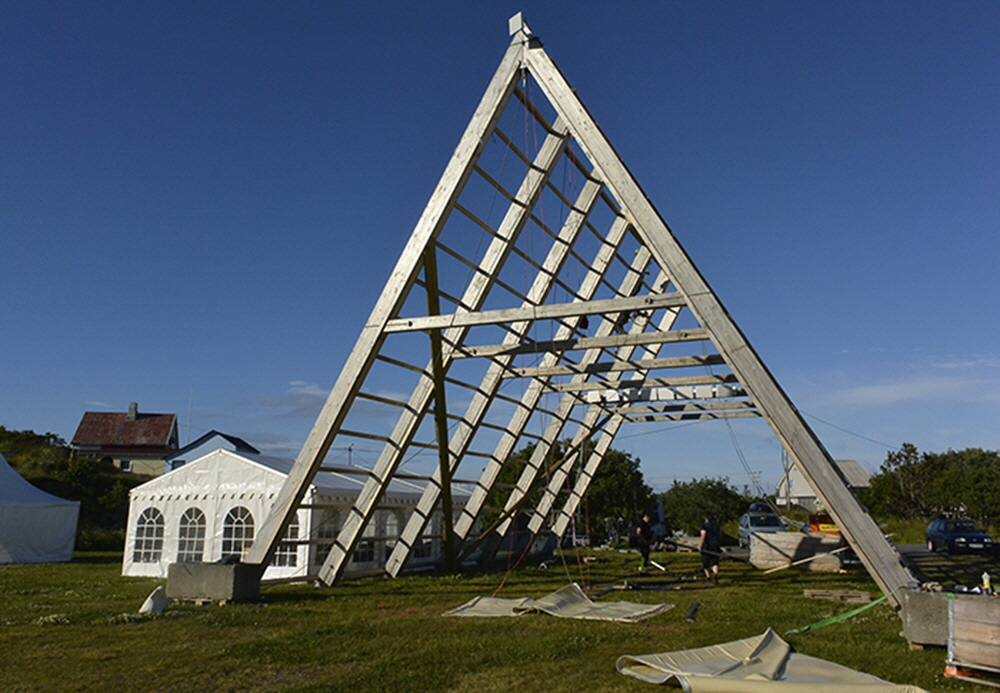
{"x": 75, "y": 627}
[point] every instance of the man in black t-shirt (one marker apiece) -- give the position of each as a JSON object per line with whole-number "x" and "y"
{"x": 711, "y": 548}
{"x": 644, "y": 538}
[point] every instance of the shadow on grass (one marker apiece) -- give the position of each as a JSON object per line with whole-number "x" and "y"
{"x": 97, "y": 557}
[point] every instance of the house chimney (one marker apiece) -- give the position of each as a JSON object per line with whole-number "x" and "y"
{"x": 133, "y": 411}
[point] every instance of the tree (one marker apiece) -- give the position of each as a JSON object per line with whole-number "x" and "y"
{"x": 913, "y": 485}
{"x": 686, "y": 503}
{"x": 617, "y": 491}
{"x": 967, "y": 483}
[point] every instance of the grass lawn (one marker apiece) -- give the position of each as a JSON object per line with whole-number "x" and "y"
{"x": 75, "y": 627}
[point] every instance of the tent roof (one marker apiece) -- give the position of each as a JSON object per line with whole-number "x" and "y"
{"x": 328, "y": 483}
{"x": 16, "y": 490}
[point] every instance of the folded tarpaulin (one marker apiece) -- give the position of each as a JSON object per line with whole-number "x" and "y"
{"x": 761, "y": 664}
{"x": 568, "y": 602}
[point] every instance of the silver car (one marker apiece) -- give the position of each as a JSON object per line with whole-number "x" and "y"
{"x": 752, "y": 523}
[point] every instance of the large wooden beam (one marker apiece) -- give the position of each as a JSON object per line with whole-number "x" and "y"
{"x": 880, "y": 557}
{"x": 389, "y": 303}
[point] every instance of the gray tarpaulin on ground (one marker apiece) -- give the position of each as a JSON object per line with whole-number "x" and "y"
{"x": 568, "y": 602}
{"x": 761, "y": 664}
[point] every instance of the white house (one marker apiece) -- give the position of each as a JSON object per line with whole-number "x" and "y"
{"x": 793, "y": 488}
{"x": 207, "y": 510}
{"x": 210, "y": 442}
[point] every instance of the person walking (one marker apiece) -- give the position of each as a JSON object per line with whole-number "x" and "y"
{"x": 710, "y": 548}
{"x": 644, "y": 540}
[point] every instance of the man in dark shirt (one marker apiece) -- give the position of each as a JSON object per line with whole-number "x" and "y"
{"x": 710, "y": 547}
{"x": 644, "y": 538}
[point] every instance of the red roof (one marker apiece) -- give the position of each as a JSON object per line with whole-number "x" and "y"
{"x": 117, "y": 430}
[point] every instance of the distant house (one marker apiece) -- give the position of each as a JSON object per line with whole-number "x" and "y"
{"x": 211, "y": 441}
{"x": 132, "y": 441}
{"x": 793, "y": 488}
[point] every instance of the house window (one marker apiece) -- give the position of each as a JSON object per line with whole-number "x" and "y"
{"x": 148, "y": 537}
{"x": 237, "y": 532}
{"x": 191, "y": 536}
{"x": 288, "y": 552}
{"x": 126, "y": 465}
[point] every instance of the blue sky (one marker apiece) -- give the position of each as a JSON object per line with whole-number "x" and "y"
{"x": 200, "y": 202}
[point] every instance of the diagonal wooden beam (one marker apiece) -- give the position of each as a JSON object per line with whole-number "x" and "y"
{"x": 486, "y": 392}
{"x": 880, "y": 558}
{"x": 389, "y": 303}
{"x": 475, "y": 295}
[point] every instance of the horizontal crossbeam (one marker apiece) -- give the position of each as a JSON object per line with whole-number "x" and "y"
{"x": 543, "y": 312}
{"x": 608, "y": 342}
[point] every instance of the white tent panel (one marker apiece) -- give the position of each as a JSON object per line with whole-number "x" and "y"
{"x": 35, "y": 526}
{"x": 212, "y": 508}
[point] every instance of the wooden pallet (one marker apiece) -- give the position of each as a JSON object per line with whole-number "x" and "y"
{"x": 840, "y": 596}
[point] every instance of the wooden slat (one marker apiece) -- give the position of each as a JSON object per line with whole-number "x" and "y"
{"x": 586, "y": 343}
{"x": 616, "y": 366}
{"x": 537, "y": 312}
{"x": 641, "y": 384}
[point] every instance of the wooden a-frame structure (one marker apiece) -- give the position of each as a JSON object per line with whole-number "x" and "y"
{"x": 541, "y": 300}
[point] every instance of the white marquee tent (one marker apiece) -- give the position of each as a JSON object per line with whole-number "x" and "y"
{"x": 35, "y": 526}
{"x": 208, "y": 510}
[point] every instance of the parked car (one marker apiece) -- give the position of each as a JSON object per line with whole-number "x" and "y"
{"x": 957, "y": 536}
{"x": 757, "y": 522}
{"x": 822, "y": 523}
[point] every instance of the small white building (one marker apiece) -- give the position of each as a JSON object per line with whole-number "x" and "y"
{"x": 793, "y": 489}
{"x": 208, "y": 509}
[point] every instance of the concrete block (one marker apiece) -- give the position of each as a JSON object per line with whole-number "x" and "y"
{"x": 214, "y": 581}
{"x": 925, "y": 616}
{"x": 781, "y": 549}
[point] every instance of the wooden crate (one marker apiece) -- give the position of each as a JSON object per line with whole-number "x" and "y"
{"x": 974, "y": 633}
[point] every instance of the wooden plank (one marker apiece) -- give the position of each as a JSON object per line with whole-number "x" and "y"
{"x": 974, "y": 653}
{"x": 587, "y": 429}
{"x": 617, "y": 366}
{"x": 851, "y": 597}
{"x": 532, "y": 394}
{"x": 537, "y": 312}
{"x": 629, "y": 284}
{"x": 474, "y": 296}
{"x": 486, "y": 393}
{"x": 974, "y": 632}
{"x": 586, "y": 343}
{"x": 643, "y": 383}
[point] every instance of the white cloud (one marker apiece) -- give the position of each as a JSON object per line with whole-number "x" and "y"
{"x": 302, "y": 400}
{"x": 969, "y": 363}
{"x": 920, "y": 388}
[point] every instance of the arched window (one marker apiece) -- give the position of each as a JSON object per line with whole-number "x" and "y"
{"x": 237, "y": 532}
{"x": 148, "y": 537}
{"x": 365, "y": 550}
{"x": 391, "y": 530}
{"x": 288, "y": 552}
{"x": 191, "y": 536}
